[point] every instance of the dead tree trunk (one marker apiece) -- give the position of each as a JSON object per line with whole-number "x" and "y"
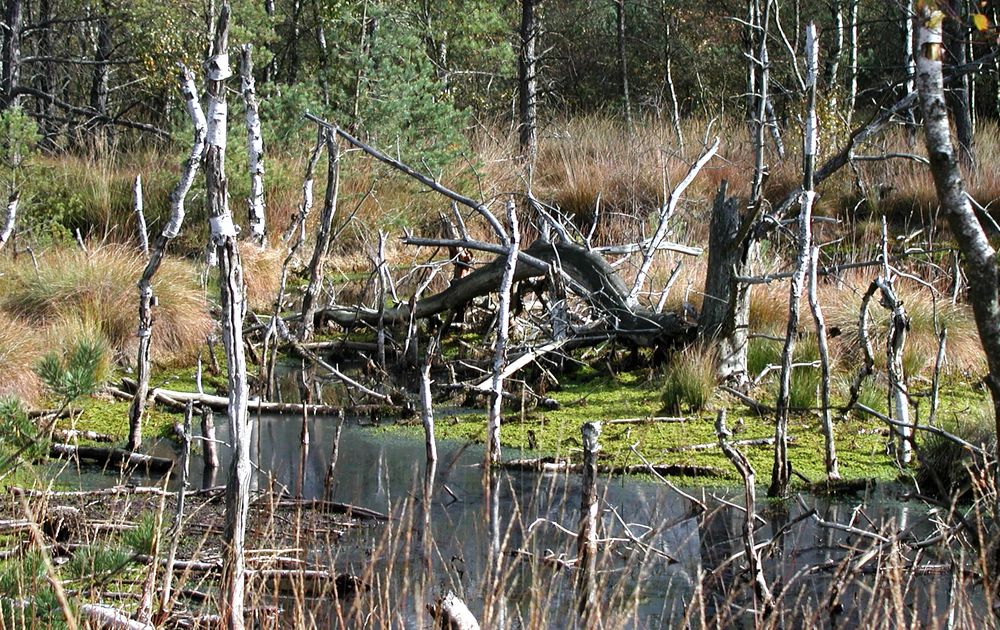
{"x": 668, "y": 76}
{"x": 781, "y": 472}
{"x": 99, "y": 89}
{"x": 427, "y": 409}
{"x": 170, "y": 230}
{"x": 909, "y": 66}
{"x": 852, "y": 57}
{"x": 500, "y": 352}
{"x": 836, "y": 46}
{"x": 979, "y": 255}
{"x": 255, "y": 148}
{"x": 527, "y": 82}
{"x": 832, "y": 468}
{"x": 11, "y": 51}
{"x": 725, "y": 311}
{"x": 586, "y": 540}
{"x": 11, "y": 219}
{"x": 140, "y": 217}
{"x": 957, "y": 95}
{"x": 666, "y": 212}
{"x": 623, "y": 61}
{"x": 233, "y": 307}
{"x": 762, "y": 594}
{"x": 899, "y": 323}
{"x": 310, "y": 299}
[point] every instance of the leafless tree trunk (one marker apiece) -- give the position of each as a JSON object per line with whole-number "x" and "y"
{"x": 500, "y": 352}
{"x": 427, "y": 408}
{"x": 781, "y": 472}
{"x": 726, "y": 308}
{"x": 310, "y": 299}
{"x": 233, "y": 307}
{"x": 668, "y": 77}
{"x": 586, "y": 540}
{"x": 762, "y": 594}
{"x": 623, "y": 61}
{"x": 140, "y": 217}
{"x": 11, "y": 51}
{"x": 10, "y": 220}
{"x": 908, "y": 63}
{"x": 99, "y": 89}
{"x": 527, "y": 81}
{"x": 665, "y": 213}
{"x": 899, "y": 322}
{"x": 979, "y": 255}
{"x": 832, "y": 468}
{"x": 836, "y": 45}
{"x": 170, "y": 230}
{"x": 957, "y": 95}
{"x": 852, "y": 57}
{"x": 255, "y": 148}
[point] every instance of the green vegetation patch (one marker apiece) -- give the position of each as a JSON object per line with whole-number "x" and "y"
{"x": 110, "y": 417}
{"x": 587, "y": 397}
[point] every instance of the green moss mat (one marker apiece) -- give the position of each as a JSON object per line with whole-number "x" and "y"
{"x": 861, "y": 443}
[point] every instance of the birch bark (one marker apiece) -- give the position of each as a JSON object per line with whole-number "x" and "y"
{"x": 170, "y": 230}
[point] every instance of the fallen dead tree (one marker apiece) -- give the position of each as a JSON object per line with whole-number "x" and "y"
{"x": 591, "y": 277}
{"x": 112, "y": 457}
{"x": 178, "y": 399}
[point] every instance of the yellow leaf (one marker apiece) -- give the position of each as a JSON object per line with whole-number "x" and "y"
{"x": 980, "y": 21}
{"x": 935, "y": 20}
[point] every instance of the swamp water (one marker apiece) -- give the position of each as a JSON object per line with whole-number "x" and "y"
{"x": 661, "y": 547}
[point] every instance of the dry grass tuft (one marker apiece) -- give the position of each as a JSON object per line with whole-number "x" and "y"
{"x": 74, "y": 291}
{"x": 20, "y": 349}
{"x": 262, "y": 273}
{"x": 964, "y": 354}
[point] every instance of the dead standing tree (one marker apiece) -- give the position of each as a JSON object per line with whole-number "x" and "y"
{"x": 979, "y": 256}
{"x": 781, "y": 472}
{"x": 233, "y": 307}
{"x": 310, "y": 299}
{"x": 255, "y": 148}
{"x": 170, "y": 230}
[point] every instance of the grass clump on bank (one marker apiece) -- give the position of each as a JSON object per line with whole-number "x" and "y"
{"x": 91, "y": 295}
{"x": 689, "y": 382}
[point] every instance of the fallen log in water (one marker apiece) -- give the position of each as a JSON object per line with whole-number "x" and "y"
{"x": 768, "y": 441}
{"x": 334, "y": 507}
{"x": 111, "y": 457}
{"x": 451, "y": 612}
{"x": 558, "y": 464}
{"x": 68, "y": 435}
{"x": 103, "y": 492}
{"x": 103, "y": 616}
{"x": 179, "y": 399}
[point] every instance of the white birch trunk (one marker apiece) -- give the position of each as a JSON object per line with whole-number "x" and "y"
{"x": 310, "y": 298}
{"x": 832, "y": 468}
{"x": 11, "y": 220}
{"x": 233, "y": 307}
{"x": 140, "y": 217}
{"x": 170, "y": 230}
{"x": 500, "y": 352}
{"x": 978, "y": 254}
{"x": 586, "y": 541}
{"x": 255, "y": 148}
{"x": 781, "y": 472}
